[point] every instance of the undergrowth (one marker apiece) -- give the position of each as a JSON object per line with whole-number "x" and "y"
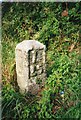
{"x": 60, "y": 97}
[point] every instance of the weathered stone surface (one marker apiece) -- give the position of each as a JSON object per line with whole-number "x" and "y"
{"x": 30, "y": 65}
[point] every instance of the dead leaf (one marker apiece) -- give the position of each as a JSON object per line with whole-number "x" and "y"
{"x": 55, "y": 109}
{"x": 72, "y": 47}
{"x": 65, "y": 13}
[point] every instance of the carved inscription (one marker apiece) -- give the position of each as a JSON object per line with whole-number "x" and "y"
{"x": 36, "y": 63}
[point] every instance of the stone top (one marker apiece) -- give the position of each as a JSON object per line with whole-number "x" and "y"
{"x": 27, "y": 45}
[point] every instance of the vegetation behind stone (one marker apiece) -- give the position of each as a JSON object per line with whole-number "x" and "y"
{"x": 57, "y": 25}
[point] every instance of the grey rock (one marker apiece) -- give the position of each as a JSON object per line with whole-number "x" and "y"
{"x": 30, "y": 65}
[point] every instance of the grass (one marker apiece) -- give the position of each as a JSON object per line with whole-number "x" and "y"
{"x": 63, "y": 67}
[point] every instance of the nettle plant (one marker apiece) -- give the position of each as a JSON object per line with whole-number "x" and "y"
{"x": 62, "y": 87}
{"x": 49, "y": 30}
